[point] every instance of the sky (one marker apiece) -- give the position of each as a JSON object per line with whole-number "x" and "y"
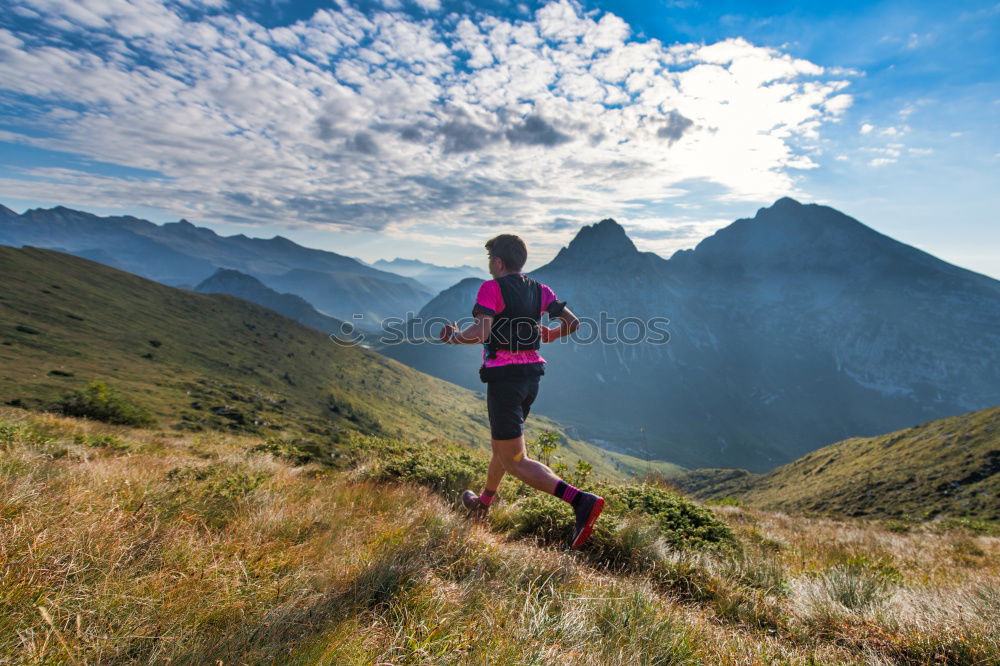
{"x": 421, "y": 128}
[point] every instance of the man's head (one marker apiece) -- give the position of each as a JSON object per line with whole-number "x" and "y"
{"x": 507, "y": 254}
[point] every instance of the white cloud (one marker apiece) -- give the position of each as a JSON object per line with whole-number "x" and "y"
{"x": 881, "y": 161}
{"x": 385, "y": 121}
{"x": 867, "y": 128}
{"x": 837, "y": 104}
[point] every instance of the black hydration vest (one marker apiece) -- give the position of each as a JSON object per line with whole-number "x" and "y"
{"x": 518, "y": 326}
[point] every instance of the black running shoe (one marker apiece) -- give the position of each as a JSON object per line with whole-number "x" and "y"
{"x": 477, "y": 509}
{"x": 587, "y": 511}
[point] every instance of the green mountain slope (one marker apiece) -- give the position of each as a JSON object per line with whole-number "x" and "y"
{"x": 213, "y": 361}
{"x": 947, "y": 467}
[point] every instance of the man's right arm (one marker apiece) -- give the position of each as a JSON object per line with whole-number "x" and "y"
{"x": 476, "y": 333}
{"x": 568, "y": 322}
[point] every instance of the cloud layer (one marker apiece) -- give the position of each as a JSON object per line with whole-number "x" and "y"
{"x": 394, "y": 121}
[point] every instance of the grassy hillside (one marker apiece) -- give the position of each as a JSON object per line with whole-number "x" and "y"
{"x": 213, "y": 361}
{"x": 123, "y": 546}
{"x": 947, "y": 467}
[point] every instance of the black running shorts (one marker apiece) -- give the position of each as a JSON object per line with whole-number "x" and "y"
{"x": 508, "y": 402}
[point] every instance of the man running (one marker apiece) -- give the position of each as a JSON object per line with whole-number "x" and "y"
{"x": 508, "y": 313}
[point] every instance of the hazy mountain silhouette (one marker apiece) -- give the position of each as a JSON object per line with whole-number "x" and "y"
{"x": 435, "y": 278}
{"x": 180, "y": 253}
{"x": 345, "y": 295}
{"x": 234, "y": 283}
{"x": 788, "y": 331}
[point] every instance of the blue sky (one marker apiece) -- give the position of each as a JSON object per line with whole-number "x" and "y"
{"x": 421, "y": 128}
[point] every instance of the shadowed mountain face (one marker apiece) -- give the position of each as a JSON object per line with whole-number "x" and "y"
{"x": 179, "y": 253}
{"x": 345, "y": 295}
{"x": 251, "y": 289}
{"x": 788, "y": 331}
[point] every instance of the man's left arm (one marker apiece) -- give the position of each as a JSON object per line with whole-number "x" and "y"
{"x": 568, "y": 322}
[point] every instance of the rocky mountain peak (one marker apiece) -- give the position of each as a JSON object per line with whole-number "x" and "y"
{"x": 787, "y": 234}
{"x": 229, "y": 281}
{"x": 600, "y": 242}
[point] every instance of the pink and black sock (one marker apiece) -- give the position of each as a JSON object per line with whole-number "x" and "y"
{"x": 567, "y": 493}
{"x": 487, "y": 497}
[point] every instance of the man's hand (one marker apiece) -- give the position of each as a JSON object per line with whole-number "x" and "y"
{"x": 476, "y": 333}
{"x": 447, "y": 334}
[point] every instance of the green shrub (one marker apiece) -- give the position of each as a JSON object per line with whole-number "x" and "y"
{"x": 898, "y": 526}
{"x": 10, "y": 432}
{"x": 725, "y": 501}
{"x": 445, "y": 472}
{"x": 103, "y": 442}
{"x": 23, "y": 434}
{"x": 296, "y": 452}
{"x": 638, "y": 524}
{"x": 968, "y": 525}
{"x": 101, "y": 403}
{"x": 543, "y": 446}
{"x": 684, "y": 524}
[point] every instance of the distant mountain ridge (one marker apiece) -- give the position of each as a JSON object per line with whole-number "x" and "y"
{"x": 240, "y": 285}
{"x": 789, "y": 330}
{"x": 436, "y": 278}
{"x": 180, "y": 253}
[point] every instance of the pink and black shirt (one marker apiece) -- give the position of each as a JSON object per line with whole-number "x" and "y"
{"x": 489, "y": 301}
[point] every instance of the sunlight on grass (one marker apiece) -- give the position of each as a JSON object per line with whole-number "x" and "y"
{"x": 123, "y": 546}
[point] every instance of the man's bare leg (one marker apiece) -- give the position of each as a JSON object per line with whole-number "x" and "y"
{"x": 513, "y": 456}
{"x": 494, "y": 475}
{"x": 587, "y": 506}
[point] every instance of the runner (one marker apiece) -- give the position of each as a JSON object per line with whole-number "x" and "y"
{"x": 508, "y": 314}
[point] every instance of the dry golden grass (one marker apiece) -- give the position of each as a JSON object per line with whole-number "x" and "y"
{"x": 129, "y": 546}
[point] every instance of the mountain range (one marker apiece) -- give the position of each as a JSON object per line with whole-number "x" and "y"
{"x": 436, "y": 278}
{"x": 240, "y": 285}
{"x": 788, "y": 331}
{"x": 182, "y": 254}
{"x": 212, "y": 361}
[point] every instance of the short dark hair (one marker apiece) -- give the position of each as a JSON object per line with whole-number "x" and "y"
{"x": 510, "y": 248}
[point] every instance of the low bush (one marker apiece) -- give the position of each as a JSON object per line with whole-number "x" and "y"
{"x": 110, "y": 442}
{"x": 99, "y": 402}
{"x": 447, "y": 473}
{"x": 684, "y": 524}
{"x": 297, "y": 452}
{"x": 639, "y": 524}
